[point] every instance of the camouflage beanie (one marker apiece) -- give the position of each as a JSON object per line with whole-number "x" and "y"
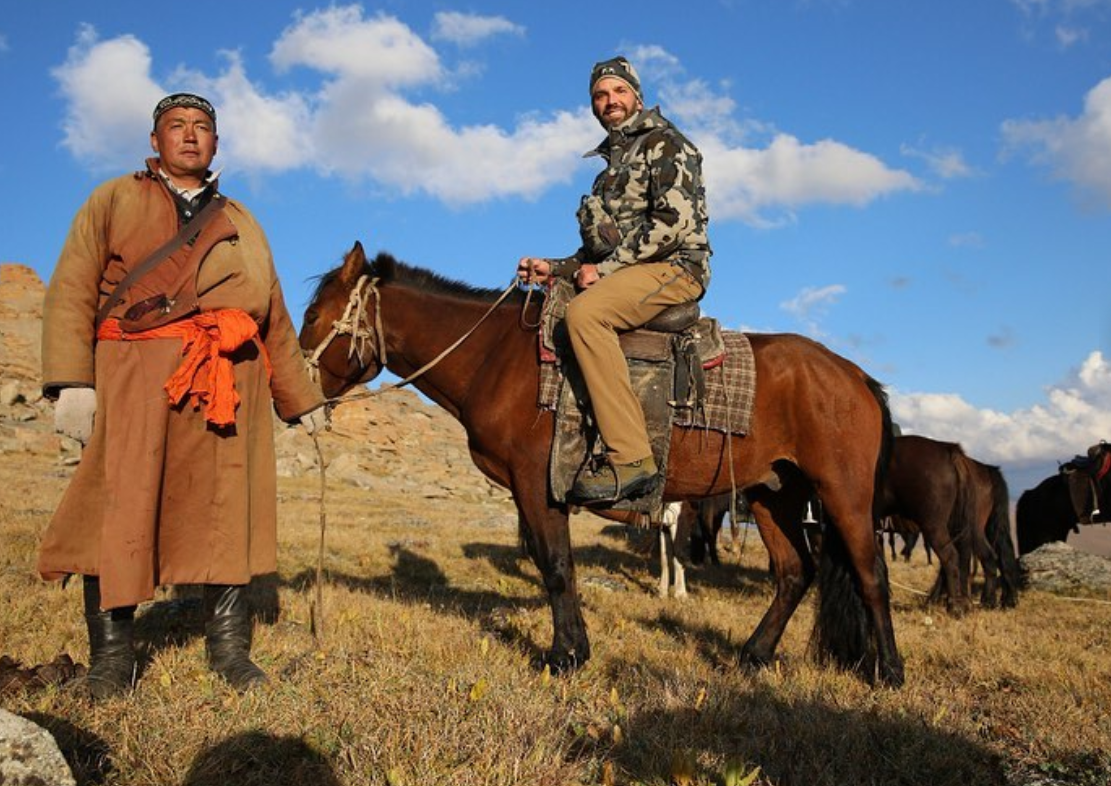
{"x": 618, "y": 68}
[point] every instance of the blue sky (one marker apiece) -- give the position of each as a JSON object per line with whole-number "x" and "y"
{"x": 925, "y": 187}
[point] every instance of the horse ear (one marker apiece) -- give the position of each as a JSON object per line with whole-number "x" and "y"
{"x": 353, "y": 263}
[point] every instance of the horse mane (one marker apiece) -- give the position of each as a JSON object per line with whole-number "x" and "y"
{"x": 389, "y": 270}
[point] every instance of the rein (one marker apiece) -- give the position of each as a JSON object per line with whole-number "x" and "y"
{"x": 353, "y": 323}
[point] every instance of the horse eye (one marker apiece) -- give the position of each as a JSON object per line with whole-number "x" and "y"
{"x": 311, "y": 315}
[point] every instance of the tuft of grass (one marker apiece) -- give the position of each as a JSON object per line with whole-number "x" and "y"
{"x": 432, "y": 619}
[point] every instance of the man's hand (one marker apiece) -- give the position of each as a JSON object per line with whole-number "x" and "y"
{"x": 74, "y": 413}
{"x": 316, "y": 421}
{"x": 533, "y": 270}
{"x": 587, "y": 275}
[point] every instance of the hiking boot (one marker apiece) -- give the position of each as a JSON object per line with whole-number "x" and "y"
{"x": 614, "y": 482}
{"x": 112, "y": 662}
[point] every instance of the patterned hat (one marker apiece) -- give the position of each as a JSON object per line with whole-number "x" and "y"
{"x": 618, "y": 68}
{"x": 187, "y": 100}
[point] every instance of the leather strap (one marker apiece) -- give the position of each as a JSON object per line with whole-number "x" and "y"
{"x": 188, "y": 231}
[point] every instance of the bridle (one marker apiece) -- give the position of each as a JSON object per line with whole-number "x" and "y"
{"x": 353, "y": 323}
{"x": 1092, "y": 473}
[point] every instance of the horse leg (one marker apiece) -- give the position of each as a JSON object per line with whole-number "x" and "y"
{"x": 679, "y": 575}
{"x": 548, "y": 539}
{"x": 679, "y": 531}
{"x": 778, "y": 519}
{"x": 989, "y": 594}
{"x": 665, "y": 579}
{"x": 950, "y": 584}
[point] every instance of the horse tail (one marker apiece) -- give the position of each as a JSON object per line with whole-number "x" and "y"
{"x": 887, "y": 447}
{"x": 999, "y": 535}
{"x": 843, "y": 629}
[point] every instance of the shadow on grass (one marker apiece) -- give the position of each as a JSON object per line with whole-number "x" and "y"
{"x": 257, "y": 758}
{"x": 416, "y": 578}
{"x": 88, "y": 756}
{"x": 804, "y": 742}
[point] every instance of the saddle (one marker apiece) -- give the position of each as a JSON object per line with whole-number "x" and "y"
{"x": 667, "y": 360}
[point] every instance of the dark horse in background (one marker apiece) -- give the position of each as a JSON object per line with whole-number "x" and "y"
{"x": 819, "y": 422}
{"x": 961, "y": 508}
{"x": 1044, "y": 514}
{"x": 1080, "y": 493}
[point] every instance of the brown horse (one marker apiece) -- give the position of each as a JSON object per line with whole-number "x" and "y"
{"x": 819, "y": 421}
{"x": 961, "y": 508}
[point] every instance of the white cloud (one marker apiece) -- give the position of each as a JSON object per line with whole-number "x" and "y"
{"x": 338, "y": 41}
{"x": 811, "y": 304}
{"x": 746, "y": 183}
{"x": 1067, "y": 35}
{"x": 1076, "y": 414}
{"x": 362, "y": 120}
{"x": 110, "y": 97}
{"x": 946, "y": 163}
{"x": 471, "y": 29}
{"x": 1076, "y": 150}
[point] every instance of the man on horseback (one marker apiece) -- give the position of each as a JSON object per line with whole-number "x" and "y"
{"x": 644, "y": 248}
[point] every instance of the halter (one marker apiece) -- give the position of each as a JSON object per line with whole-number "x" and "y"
{"x": 353, "y": 323}
{"x": 1092, "y": 473}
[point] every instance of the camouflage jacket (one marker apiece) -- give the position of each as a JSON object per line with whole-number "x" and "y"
{"x": 647, "y": 205}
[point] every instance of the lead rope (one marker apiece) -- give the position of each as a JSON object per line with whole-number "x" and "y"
{"x": 350, "y": 323}
{"x": 316, "y": 608}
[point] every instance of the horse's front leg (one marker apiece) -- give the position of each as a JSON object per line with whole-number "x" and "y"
{"x": 545, "y": 528}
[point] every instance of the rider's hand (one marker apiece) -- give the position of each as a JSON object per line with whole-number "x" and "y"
{"x": 532, "y": 270}
{"x": 587, "y": 275}
{"x": 74, "y": 413}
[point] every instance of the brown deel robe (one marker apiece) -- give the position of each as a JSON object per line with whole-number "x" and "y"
{"x": 160, "y": 496}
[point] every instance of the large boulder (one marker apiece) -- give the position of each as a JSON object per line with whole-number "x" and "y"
{"x": 29, "y": 756}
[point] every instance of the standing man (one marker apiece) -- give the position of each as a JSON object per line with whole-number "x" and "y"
{"x": 645, "y": 248}
{"x": 166, "y": 343}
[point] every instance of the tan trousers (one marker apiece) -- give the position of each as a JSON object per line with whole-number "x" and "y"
{"x": 618, "y": 302}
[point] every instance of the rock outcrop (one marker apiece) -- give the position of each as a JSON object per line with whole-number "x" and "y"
{"x": 29, "y": 756}
{"x": 1059, "y": 568}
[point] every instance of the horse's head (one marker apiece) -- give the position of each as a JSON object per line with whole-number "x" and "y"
{"x": 1089, "y": 483}
{"x": 338, "y": 333}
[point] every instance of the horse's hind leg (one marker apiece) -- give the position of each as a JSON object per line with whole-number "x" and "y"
{"x": 851, "y": 523}
{"x": 779, "y": 519}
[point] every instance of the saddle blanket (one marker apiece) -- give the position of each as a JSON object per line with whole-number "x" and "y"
{"x": 730, "y": 390}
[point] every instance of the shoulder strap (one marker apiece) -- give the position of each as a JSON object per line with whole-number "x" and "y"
{"x": 188, "y": 231}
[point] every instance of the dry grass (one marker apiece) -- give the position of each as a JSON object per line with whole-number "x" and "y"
{"x": 424, "y": 676}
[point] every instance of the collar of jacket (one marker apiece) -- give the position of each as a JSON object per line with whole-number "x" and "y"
{"x": 641, "y": 123}
{"x": 154, "y": 166}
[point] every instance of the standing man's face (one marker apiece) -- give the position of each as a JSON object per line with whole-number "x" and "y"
{"x": 185, "y": 141}
{"x": 614, "y": 102}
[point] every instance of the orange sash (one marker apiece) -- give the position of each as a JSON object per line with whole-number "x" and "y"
{"x": 205, "y": 373}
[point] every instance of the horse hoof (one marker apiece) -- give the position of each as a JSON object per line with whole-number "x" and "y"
{"x": 892, "y": 676}
{"x": 560, "y": 664}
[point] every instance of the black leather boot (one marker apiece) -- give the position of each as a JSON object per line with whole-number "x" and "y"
{"x": 227, "y": 635}
{"x": 112, "y": 662}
